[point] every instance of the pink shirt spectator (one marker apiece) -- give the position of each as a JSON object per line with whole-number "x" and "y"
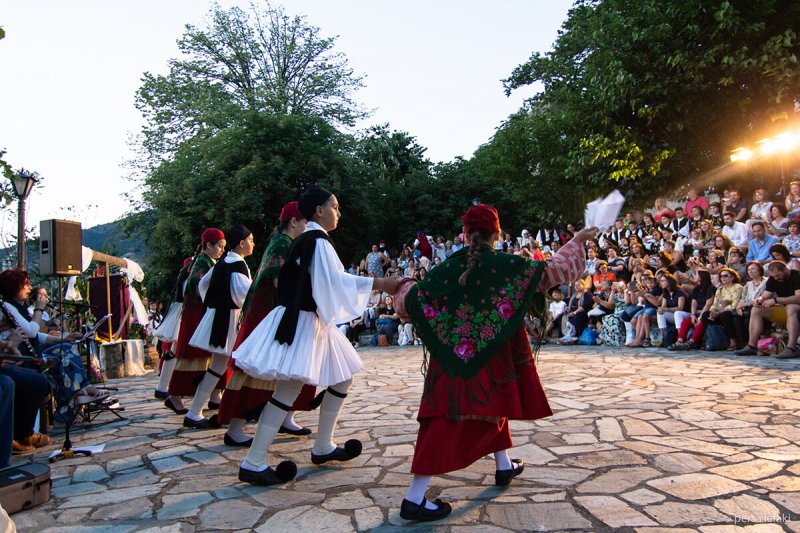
{"x": 699, "y": 201}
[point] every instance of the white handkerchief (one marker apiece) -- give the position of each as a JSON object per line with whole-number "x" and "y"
{"x": 604, "y": 211}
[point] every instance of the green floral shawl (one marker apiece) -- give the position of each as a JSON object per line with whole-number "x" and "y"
{"x": 202, "y": 264}
{"x": 463, "y": 327}
{"x": 271, "y": 262}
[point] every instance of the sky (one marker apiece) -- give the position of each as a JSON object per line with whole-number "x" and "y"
{"x": 70, "y": 71}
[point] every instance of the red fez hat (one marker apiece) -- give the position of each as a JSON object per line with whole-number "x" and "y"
{"x": 481, "y": 218}
{"x": 291, "y": 209}
{"x": 212, "y": 235}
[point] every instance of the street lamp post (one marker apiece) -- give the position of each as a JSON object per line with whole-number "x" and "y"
{"x": 23, "y": 183}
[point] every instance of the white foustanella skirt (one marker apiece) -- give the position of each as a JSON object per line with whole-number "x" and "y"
{"x": 319, "y": 355}
{"x": 171, "y": 325}
{"x": 202, "y": 335}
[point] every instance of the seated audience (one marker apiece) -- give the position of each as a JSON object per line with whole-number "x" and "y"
{"x": 780, "y": 300}
{"x": 752, "y": 290}
{"x": 700, "y": 301}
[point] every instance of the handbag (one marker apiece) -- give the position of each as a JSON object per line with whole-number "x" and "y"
{"x": 588, "y": 337}
{"x": 383, "y": 340}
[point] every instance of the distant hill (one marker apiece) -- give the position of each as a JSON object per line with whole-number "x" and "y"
{"x": 107, "y": 238}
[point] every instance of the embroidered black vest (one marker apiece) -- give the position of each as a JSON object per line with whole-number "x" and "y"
{"x": 219, "y": 298}
{"x": 294, "y": 283}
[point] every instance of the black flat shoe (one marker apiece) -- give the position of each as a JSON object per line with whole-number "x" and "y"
{"x": 213, "y": 406}
{"x": 297, "y": 432}
{"x": 419, "y": 513}
{"x": 158, "y": 395}
{"x": 206, "y": 423}
{"x": 230, "y": 442}
{"x": 283, "y": 473}
{"x": 351, "y": 450}
{"x": 168, "y": 405}
{"x": 503, "y": 477}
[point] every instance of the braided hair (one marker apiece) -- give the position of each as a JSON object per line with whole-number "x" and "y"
{"x": 473, "y": 256}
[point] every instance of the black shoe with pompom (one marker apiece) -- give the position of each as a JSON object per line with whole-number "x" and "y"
{"x": 283, "y": 472}
{"x": 419, "y": 513}
{"x": 503, "y": 477}
{"x": 352, "y": 449}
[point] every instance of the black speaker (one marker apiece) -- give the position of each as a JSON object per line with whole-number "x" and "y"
{"x": 60, "y": 248}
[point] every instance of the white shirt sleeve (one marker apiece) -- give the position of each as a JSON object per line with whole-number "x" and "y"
{"x": 31, "y": 329}
{"x": 240, "y": 284}
{"x": 205, "y": 281}
{"x": 340, "y": 296}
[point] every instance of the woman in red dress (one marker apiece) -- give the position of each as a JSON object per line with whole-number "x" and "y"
{"x": 469, "y": 313}
{"x": 192, "y": 362}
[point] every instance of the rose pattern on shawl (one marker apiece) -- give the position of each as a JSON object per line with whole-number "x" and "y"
{"x": 505, "y": 308}
{"x": 465, "y": 349}
{"x": 271, "y": 267}
{"x": 467, "y": 330}
{"x": 429, "y": 311}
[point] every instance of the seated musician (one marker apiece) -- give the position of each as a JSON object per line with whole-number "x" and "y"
{"x": 23, "y": 392}
{"x": 68, "y": 380}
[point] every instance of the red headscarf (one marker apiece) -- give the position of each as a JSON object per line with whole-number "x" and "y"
{"x": 212, "y": 235}
{"x": 291, "y": 209}
{"x": 481, "y": 218}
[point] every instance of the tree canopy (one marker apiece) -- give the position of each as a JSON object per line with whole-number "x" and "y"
{"x": 257, "y": 61}
{"x": 649, "y": 95}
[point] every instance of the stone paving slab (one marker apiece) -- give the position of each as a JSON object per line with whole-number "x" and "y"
{"x": 644, "y": 440}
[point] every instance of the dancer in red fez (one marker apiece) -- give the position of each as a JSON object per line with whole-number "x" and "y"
{"x": 469, "y": 313}
{"x": 246, "y": 396}
{"x": 223, "y": 290}
{"x": 192, "y": 362}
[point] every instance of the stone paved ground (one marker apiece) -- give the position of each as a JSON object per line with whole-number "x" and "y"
{"x": 639, "y": 440}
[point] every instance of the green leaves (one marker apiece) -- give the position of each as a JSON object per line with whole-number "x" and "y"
{"x": 641, "y": 94}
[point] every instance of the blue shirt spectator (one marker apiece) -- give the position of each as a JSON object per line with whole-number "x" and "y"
{"x": 759, "y": 246}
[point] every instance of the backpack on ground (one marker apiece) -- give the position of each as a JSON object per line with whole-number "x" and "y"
{"x": 716, "y": 338}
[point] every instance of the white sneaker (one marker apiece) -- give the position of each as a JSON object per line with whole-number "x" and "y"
{"x": 356, "y": 345}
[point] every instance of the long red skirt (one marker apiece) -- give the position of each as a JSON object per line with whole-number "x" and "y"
{"x": 246, "y": 396}
{"x": 448, "y": 442}
{"x": 192, "y": 362}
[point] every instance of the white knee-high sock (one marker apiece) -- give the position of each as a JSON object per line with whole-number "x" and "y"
{"x": 167, "y": 367}
{"x": 219, "y": 362}
{"x": 328, "y": 415}
{"x": 236, "y": 430}
{"x": 216, "y": 396}
{"x": 269, "y": 423}
{"x": 501, "y": 460}
{"x": 416, "y": 491}
{"x": 289, "y": 422}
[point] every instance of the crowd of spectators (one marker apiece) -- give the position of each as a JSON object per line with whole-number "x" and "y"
{"x": 700, "y": 274}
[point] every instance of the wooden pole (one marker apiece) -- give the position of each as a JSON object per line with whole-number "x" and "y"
{"x": 105, "y": 258}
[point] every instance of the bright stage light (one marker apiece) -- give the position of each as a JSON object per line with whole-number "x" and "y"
{"x": 741, "y": 154}
{"x": 767, "y": 146}
{"x": 786, "y": 142}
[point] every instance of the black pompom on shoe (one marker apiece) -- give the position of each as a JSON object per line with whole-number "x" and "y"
{"x": 283, "y": 472}
{"x": 303, "y": 431}
{"x": 503, "y": 477}
{"x": 419, "y": 513}
{"x": 168, "y": 405}
{"x": 351, "y": 450}
{"x": 230, "y": 442}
